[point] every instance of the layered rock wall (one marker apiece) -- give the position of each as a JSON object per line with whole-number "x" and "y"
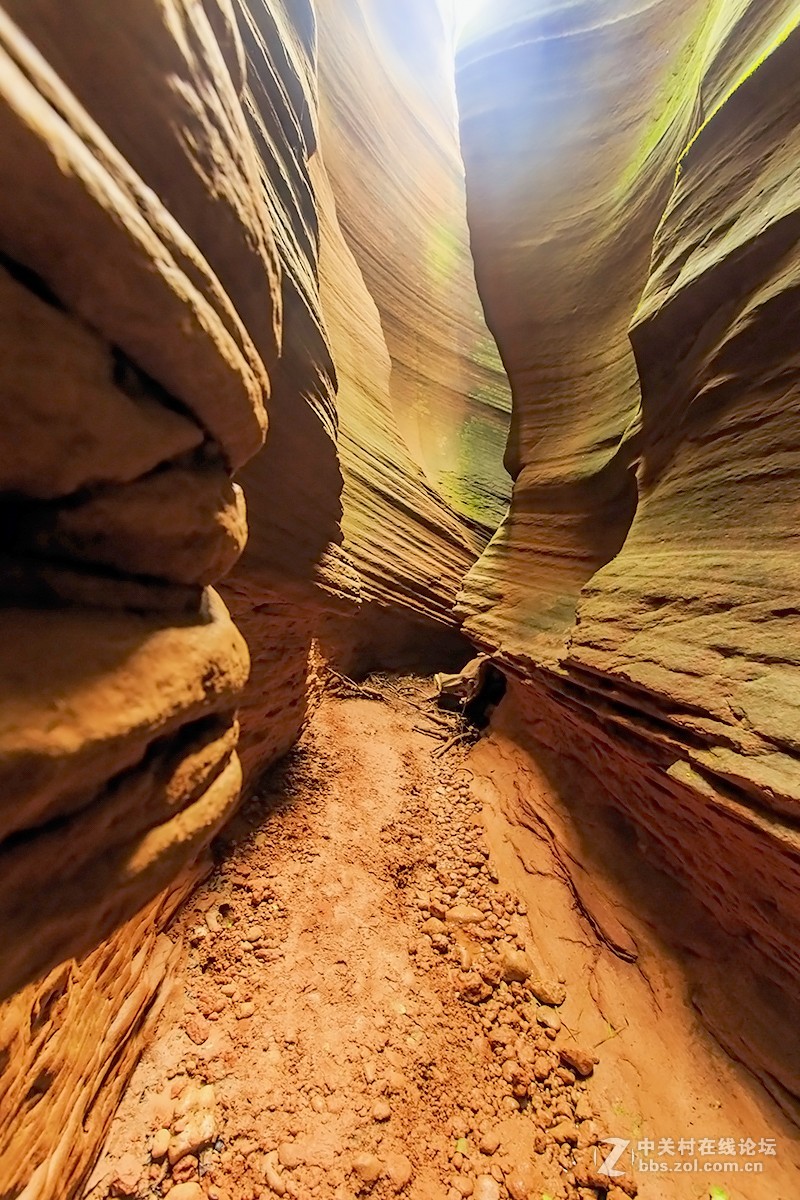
{"x": 175, "y": 285}
{"x": 388, "y": 117}
{"x": 632, "y": 173}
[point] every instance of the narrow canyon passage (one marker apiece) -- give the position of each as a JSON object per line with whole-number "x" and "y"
{"x": 347, "y": 346}
{"x": 373, "y": 1000}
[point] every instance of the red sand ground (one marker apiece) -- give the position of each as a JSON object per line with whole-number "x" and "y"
{"x": 371, "y": 1004}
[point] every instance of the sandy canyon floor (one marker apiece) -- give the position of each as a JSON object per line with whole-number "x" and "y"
{"x": 376, "y": 998}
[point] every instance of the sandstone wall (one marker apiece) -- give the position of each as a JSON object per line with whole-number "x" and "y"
{"x": 388, "y": 116}
{"x": 632, "y": 174}
{"x": 176, "y": 284}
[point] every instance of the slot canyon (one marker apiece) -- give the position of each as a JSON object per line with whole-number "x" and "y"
{"x": 400, "y": 655}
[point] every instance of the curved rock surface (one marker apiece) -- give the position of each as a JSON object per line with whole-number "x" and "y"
{"x": 257, "y": 227}
{"x": 175, "y": 283}
{"x": 642, "y": 585}
{"x": 161, "y": 241}
{"x": 388, "y": 121}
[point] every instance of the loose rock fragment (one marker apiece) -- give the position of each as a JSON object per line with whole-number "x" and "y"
{"x": 565, "y": 1132}
{"x": 581, "y": 1061}
{"x": 399, "y": 1171}
{"x": 289, "y": 1155}
{"x": 368, "y": 1167}
{"x": 273, "y": 1179}
{"x": 516, "y": 965}
{"x": 548, "y": 991}
{"x": 433, "y": 927}
{"x": 464, "y": 914}
{"x": 125, "y": 1182}
{"x": 549, "y": 1020}
{"x": 489, "y": 1143}
{"x": 197, "y": 1029}
{"x": 192, "y": 1133}
{"x": 486, "y": 1188}
{"x": 160, "y": 1144}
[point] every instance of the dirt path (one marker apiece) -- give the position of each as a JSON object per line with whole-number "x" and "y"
{"x": 360, "y": 1010}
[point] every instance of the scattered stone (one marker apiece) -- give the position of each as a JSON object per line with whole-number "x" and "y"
{"x": 581, "y": 1061}
{"x": 399, "y": 1170}
{"x": 185, "y": 1169}
{"x": 273, "y": 1179}
{"x": 367, "y": 1167}
{"x": 516, "y": 965}
{"x": 125, "y": 1181}
{"x": 491, "y": 972}
{"x": 245, "y": 1010}
{"x": 472, "y": 988}
{"x": 381, "y": 1111}
{"x": 197, "y": 1029}
{"x": 160, "y": 1144}
{"x": 434, "y": 927}
{"x": 187, "y": 1191}
{"x": 486, "y": 1188}
{"x": 464, "y": 914}
{"x": 565, "y": 1132}
{"x": 542, "y": 1067}
{"x": 548, "y": 991}
{"x": 489, "y": 1143}
{"x": 289, "y": 1155}
{"x": 588, "y": 1177}
{"x": 548, "y": 1019}
{"x": 524, "y": 1183}
{"x": 197, "y": 1131}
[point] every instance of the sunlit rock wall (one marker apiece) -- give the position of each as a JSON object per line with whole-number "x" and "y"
{"x": 141, "y": 320}
{"x": 633, "y": 200}
{"x": 388, "y": 119}
{"x": 176, "y": 283}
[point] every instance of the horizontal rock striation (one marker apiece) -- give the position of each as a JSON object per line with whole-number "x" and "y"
{"x": 132, "y": 279}
{"x": 175, "y": 284}
{"x": 388, "y": 121}
{"x": 645, "y": 201}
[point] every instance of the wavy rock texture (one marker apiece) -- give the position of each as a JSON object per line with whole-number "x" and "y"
{"x": 141, "y": 319}
{"x": 644, "y": 581}
{"x": 172, "y": 267}
{"x": 134, "y": 268}
{"x": 388, "y": 120}
{"x": 409, "y": 550}
{"x": 71, "y": 1062}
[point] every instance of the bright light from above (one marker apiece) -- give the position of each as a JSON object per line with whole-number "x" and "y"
{"x": 465, "y": 10}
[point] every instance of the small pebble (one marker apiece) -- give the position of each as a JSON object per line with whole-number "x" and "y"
{"x": 486, "y": 1188}
{"x": 160, "y": 1144}
{"x": 581, "y": 1061}
{"x": 367, "y": 1167}
{"x": 489, "y": 1143}
{"x": 187, "y": 1191}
